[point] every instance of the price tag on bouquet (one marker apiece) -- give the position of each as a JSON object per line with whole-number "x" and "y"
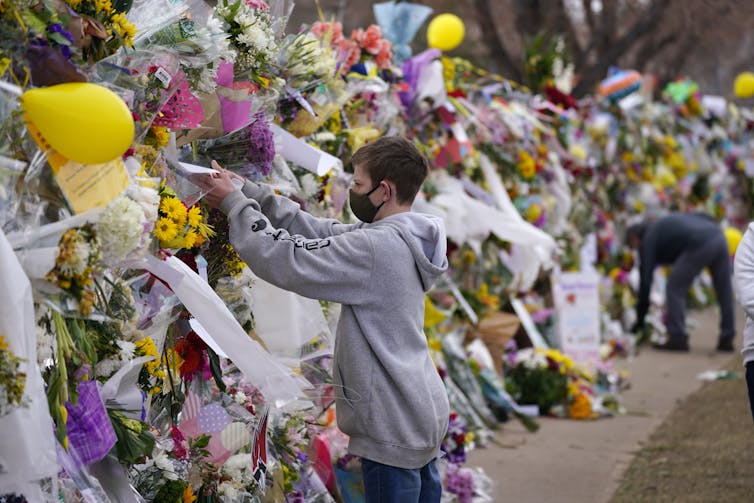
{"x": 85, "y": 186}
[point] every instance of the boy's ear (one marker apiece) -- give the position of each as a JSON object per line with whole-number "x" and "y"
{"x": 389, "y": 189}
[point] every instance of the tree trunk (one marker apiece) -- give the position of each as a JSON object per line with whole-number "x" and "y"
{"x": 500, "y": 61}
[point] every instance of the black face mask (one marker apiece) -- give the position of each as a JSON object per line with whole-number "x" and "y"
{"x": 362, "y": 207}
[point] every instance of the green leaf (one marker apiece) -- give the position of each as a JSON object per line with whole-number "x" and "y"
{"x": 33, "y": 22}
{"x": 201, "y": 442}
{"x": 214, "y": 366}
{"x": 58, "y": 38}
{"x": 132, "y": 446}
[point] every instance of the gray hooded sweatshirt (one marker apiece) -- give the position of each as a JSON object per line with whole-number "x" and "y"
{"x": 390, "y": 399}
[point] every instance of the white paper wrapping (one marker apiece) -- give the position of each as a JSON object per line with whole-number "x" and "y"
{"x": 468, "y": 220}
{"x": 286, "y": 321}
{"x": 277, "y": 383}
{"x": 27, "y": 443}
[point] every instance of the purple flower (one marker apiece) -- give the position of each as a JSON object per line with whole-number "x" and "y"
{"x": 262, "y": 149}
{"x": 460, "y": 481}
{"x": 295, "y": 497}
{"x": 58, "y": 28}
{"x": 454, "y": 443}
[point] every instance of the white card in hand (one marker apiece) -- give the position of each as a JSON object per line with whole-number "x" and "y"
{"x": 193, "y": 169}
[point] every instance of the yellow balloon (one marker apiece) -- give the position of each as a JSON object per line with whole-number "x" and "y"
{"x": 733, "y": 237}
{"x": 84, "y": 122}
{"x": 743, "y": 86}
{"x": 445, "y": 32}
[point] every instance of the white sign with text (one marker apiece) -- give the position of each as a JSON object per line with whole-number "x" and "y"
{"x": 577, "y": 304}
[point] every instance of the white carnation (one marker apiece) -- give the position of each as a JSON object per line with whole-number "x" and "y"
{"x": 107, "y": 367}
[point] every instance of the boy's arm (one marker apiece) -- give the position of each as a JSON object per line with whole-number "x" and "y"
{"x": 743, "y": 273}
{"x": 335, "y": 268}
{"x": 286, "y": 214}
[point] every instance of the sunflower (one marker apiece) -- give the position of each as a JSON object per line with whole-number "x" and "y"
{"x": 174, "y": 209}
{"x": 165, "y": 229}
{"x": 194, "y": 216}
{"x": 190, "y": 239}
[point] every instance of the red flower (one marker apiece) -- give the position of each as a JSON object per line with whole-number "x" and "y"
{"x": 193, "y": 351}
{"x": 558, "y": 97}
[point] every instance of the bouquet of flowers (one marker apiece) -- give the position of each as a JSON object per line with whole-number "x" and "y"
{"x": 79, "y": 258}
{"x": 363, "y": 45}
{"x": 305, "y": 60}
{"x": 180, "y": 227}
{"x": 104, "y": 27}
{"x": 537, "y": 376}
{"x": 250, "y": 27}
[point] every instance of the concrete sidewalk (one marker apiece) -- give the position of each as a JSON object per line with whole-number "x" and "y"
{"x": 583, "y": 461}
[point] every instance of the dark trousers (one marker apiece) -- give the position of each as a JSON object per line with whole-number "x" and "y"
{"x": 713, "y": 253}
{"x": 389, "y": 484}
{"x": 750, "y": 385}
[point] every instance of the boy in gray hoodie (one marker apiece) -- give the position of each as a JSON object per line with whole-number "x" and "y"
{"x": 390, "y": 399}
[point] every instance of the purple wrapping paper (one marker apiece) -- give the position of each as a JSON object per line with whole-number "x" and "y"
{"x": 90, "y": 433}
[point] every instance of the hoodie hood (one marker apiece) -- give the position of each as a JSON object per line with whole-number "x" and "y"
{"x": 425, "y": 236}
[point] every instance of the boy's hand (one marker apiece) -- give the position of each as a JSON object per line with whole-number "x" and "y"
{"x": 218, "y": 185}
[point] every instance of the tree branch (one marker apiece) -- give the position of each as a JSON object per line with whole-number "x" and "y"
{"x": 651, "y": 49}
{"x": 500, "y": 61}
{"x": 610, "y": 55}
{"x": 589, "y": 14}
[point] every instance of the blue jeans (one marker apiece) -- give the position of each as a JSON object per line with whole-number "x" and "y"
{"x": 388, "y": 484}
